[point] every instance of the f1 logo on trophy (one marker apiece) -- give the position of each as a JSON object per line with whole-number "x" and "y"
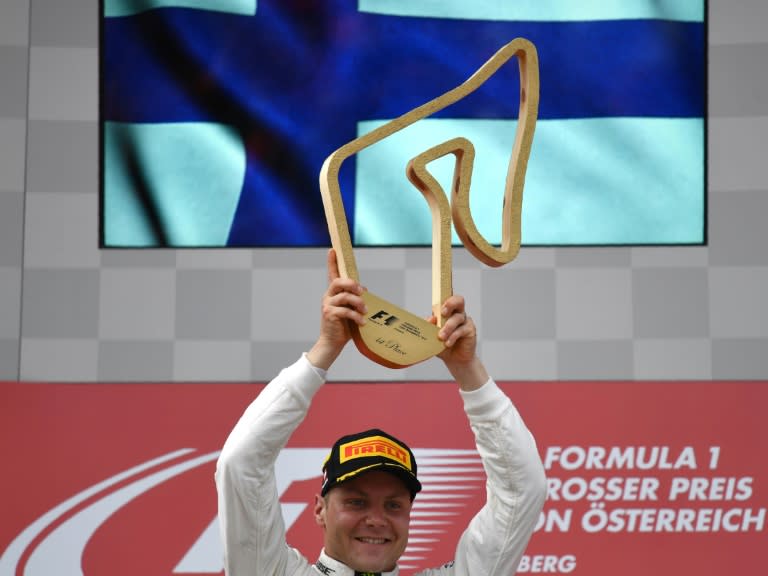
{"x": 394, "y": 337}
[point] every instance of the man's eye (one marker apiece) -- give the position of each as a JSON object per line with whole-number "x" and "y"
{"x": 394, "y": 505}
{"x": 356, "y": 502}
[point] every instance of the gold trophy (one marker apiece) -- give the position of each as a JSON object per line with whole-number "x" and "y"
{"x": 392, "y": 336}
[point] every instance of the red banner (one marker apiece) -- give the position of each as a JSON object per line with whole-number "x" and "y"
{"x": 662, "y": 478}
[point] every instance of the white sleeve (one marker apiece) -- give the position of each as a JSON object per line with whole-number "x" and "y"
{"x": 496, "y": 538}
{"x": 250, "y": 517}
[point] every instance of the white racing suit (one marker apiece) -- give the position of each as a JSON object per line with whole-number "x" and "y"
{"x": 250, "y": 516}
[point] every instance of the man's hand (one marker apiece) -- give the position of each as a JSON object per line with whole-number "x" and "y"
{"x": 459, "y": 334}
{"x": 342, "y": 303}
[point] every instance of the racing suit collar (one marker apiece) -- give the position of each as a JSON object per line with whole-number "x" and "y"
{"x": 330, "y": 567}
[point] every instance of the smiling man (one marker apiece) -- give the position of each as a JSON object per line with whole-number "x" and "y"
{"x": 369, "y": 483}
{"x": 370, "y": 478}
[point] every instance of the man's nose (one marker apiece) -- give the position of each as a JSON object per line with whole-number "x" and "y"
{"x": 375, "y": 516}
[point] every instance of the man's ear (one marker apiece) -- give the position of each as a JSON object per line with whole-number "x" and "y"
{"x": 320, "y": 506}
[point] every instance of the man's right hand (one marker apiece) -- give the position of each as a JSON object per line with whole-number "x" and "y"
{"x": 342, "y": 303}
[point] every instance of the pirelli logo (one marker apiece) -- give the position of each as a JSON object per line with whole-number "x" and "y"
{"x": 375, "y": 446}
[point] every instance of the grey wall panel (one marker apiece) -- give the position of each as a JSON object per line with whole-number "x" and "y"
{"x": 14, "y": 64}
{"x": 83, "y": 313}
{"x": 14, "y": 96}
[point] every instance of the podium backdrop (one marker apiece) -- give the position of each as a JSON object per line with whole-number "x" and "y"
{"x": 662, "y": 478}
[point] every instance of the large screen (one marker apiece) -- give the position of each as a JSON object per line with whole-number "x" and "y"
{"x": 216, "y": 117}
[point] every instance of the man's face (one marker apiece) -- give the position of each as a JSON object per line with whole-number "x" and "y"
{"x": 366, "y": 521}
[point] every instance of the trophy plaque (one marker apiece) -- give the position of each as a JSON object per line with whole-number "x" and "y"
{"x": 392, "y": 336}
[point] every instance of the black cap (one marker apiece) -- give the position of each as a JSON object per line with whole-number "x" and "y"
{"x": 366, "y": 451}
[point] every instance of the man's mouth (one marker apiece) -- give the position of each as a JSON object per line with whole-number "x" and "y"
{"x": 371, "y": 540}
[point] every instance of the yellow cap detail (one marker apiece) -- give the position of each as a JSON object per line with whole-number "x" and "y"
{"x": 375, "y": 446}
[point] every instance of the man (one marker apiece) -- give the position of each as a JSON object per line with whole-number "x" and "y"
{"x": 364, "y": 503}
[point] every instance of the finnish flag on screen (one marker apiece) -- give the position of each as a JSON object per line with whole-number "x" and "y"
{"x": 217, "y": 116}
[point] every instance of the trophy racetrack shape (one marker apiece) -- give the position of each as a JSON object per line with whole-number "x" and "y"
{"x": 392, "y": 336}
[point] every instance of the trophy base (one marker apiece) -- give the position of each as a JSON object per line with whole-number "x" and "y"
{"x": 394, "y": 337}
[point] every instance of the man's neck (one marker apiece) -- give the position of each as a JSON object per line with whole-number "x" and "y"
{"x": 331, "y": 567}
